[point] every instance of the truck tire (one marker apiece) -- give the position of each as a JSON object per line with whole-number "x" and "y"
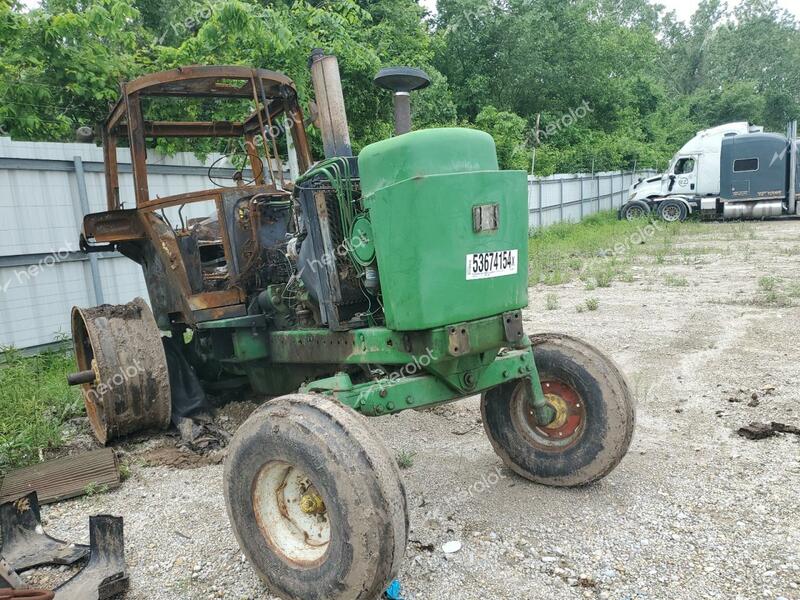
{"x": 636, "y": 209}
{"x": 673, "y": 211}
{"x": 595, "y": 416}
{"x": 316, "y": 501}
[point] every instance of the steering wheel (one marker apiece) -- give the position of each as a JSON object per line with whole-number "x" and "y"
{"x": 237, "y": 177}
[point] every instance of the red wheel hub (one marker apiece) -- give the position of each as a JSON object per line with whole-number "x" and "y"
{"x": 570, "y": 410}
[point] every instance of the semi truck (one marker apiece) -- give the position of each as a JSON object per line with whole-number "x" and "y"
{"x": 732, "y": 171}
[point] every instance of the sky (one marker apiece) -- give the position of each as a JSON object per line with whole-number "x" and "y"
{"x": 683, "y": 8}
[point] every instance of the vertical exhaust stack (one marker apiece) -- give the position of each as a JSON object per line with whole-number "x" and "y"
{"x": 792, "y": 194}
{"x": 330, "y": 104}
{"x": 402, "y": 81}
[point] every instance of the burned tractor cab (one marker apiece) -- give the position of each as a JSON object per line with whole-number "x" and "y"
{"x": 205, "y": 255}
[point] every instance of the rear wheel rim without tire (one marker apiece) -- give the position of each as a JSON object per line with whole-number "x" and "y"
{"x": 291, "y": 514}
{"x": 566, "y": 429}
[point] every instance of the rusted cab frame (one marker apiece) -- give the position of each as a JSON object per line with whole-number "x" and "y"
{"x": 274, "y": 96}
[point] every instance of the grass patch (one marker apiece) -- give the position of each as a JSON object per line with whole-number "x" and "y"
{"x": 405, "y": 459}
{"x": 675, "y": 281}
{"x": 35, "y": 401}
{"x": 598, "y": 250}
{"x": 767, "y": 283}
{"x": 775, "y": 292}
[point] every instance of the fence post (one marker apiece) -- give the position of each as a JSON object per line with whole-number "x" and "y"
{"x": 581, "y": 193}
{"x": 561, "y": 200}
{"x": 540, "y": 204}
{"x": 598, "y": 194}
{"x": 80, "y": 177}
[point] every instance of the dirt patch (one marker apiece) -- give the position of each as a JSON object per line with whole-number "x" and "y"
{"x": 178, "y": 458}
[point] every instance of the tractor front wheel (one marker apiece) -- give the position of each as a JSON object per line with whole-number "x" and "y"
{"x": 594, "y": 420}
{"x": 316, "y": 501}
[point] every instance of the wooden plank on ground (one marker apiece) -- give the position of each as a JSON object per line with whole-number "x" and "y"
{"x": 63, "y": 478}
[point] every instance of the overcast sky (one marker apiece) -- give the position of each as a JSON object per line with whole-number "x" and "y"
{"x": 683, "y": 8}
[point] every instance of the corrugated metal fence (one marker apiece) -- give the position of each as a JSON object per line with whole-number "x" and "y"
{"x": 46, "y": 188}
{"x": 572, "y": 197}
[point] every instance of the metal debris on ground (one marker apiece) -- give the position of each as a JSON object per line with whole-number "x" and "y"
{"x": 64, "y": 478}
{"x": 759, "y": 431}
{"x": 104, "y": 576}
{"x": 26, "y": 544}
{"x": 201, "y": 435}
{"x": 8, "y": 577}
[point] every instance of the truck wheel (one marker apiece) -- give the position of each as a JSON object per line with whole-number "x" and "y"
{"x": 594, "y": 423}
{"x": 636, "y": 209}
{"x": 673, "y": 211}
{"x": 316, "y": 501}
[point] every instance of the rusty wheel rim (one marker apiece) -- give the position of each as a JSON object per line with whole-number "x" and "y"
{"x": 85, "y": 359}
{"x": 567, "y": 428}
{"x": 291, "y": 514}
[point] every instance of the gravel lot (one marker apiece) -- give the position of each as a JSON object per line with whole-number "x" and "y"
{"x": 694, "y": 511}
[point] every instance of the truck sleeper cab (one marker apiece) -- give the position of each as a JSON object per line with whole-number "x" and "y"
{"x": 734, "y": 171}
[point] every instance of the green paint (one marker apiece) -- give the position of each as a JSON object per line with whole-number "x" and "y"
{"x": 420, "y": 190}
{"x": 423, "y": 153}
{"x": 362, "y": 241}
{"x": 395, "y": 393}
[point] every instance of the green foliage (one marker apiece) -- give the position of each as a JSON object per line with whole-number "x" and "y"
{"x": 611, "y": 83}
{"x": 35, "y": 401}
{"x": 508, "y": 131}
{"x": 405, "y": 459}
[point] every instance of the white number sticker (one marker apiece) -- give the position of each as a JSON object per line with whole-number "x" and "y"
{"x": 485, "y": 265}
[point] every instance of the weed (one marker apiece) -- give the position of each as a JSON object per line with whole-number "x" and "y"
{"x": 603, "y": 277}
{"x": 405, "y": 459}
{"x": 580, "y": 308}
{"x": 592, "y": 304}
{"x": 767, "y": 283}
{"x": 551, "y": 302}
{"x": 675, "y": 281}
{"x": 35, "y": 401}
{"x": 93, "y": 489}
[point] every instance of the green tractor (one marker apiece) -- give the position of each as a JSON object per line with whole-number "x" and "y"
{"x": 350, "y": 287}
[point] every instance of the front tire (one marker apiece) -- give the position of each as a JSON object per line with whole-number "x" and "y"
{"x": 316, "y": 501}
{"x": 594, "y": 422}
{"x": 634, "y": 210}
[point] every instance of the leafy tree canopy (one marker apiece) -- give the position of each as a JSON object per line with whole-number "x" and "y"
{"x": 611, "y": 83}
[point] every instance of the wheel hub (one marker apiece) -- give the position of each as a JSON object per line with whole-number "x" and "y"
{"x": 561, "y": 408}
{"x": 312, "y": 504}
{"x": 635, "y": 213}
{"x": 291, "y": 513}
{"x": 565, "y": 429}
{"x": 671, "y": 213}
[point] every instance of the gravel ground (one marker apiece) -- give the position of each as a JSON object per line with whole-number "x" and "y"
{"x": 694, "y": 511}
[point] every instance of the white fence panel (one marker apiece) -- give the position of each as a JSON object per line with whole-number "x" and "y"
{"x": 568, "y": 197}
